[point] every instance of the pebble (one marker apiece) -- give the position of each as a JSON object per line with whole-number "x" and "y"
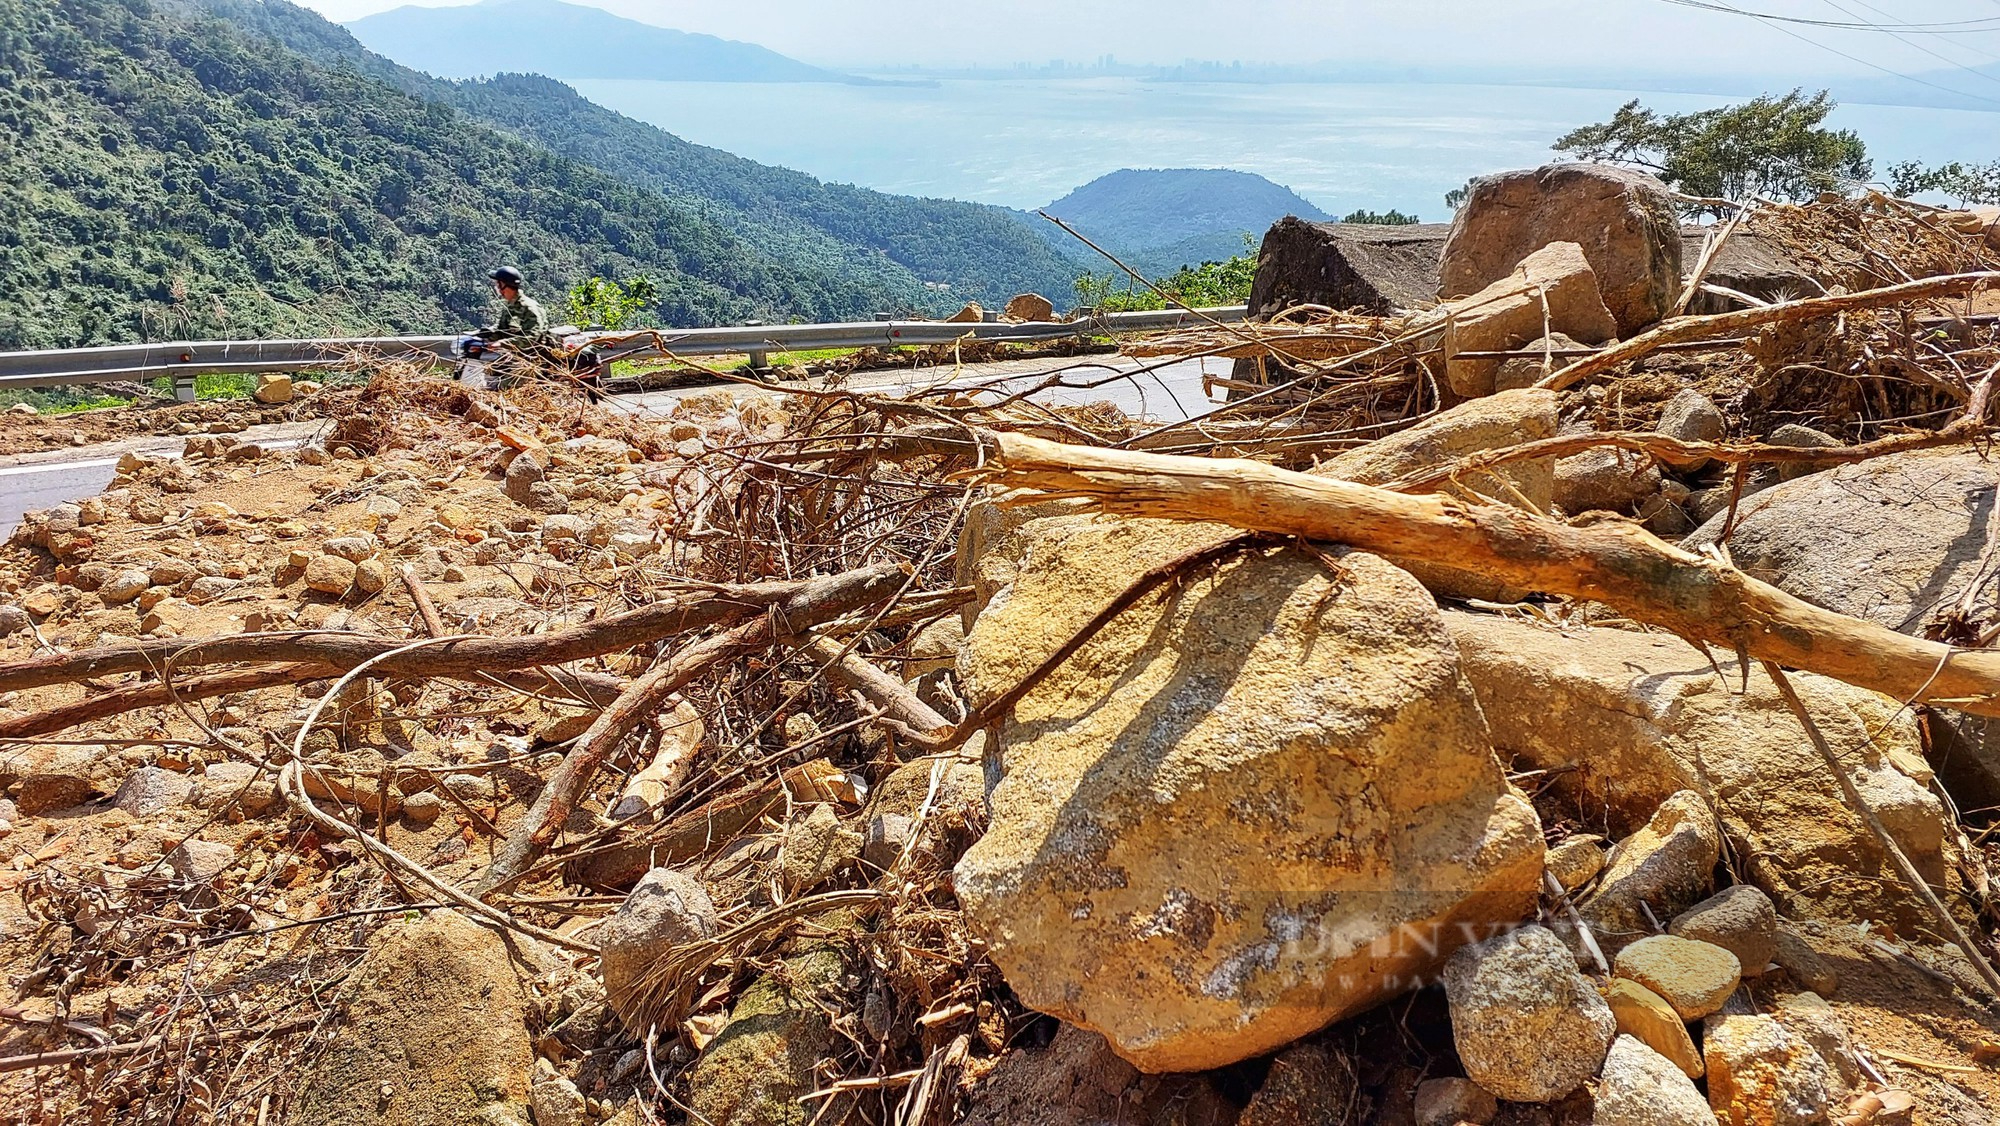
{"x": 1643, "y": 1014}
{"x": 13, "y": 620}
{"x": 1576, "y": 861}
{"x": 1640, "y": 1087}
{"x": 1693, "y": 977}
{"x": 1740, "y": 919}
{"x": 330, "y": 574}
{"x": 665, "y": 909}
{"x": 1800, "y": 437}
{"x": 123, "y": 587}
{"x": 1528, "y": 1026}
{"x": 353, "y": 548}
{"x": 1448, "y": 1102}
{"x": 199, "y": 861}
{"x": 149, "y": 790}
{"x": 422, "y": 808}
{"x": 371, "y": 576}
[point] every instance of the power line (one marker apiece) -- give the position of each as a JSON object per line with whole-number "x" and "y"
{"x": 1946, "y": 27}
{"x": 1983, "y": 54}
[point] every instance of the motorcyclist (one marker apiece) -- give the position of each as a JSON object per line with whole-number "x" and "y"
{"x": 529, "y": 349}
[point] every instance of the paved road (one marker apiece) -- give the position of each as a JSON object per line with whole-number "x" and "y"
{"x": 41, "y": 480}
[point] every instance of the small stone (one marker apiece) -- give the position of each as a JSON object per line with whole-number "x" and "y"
{"x": 1693, "y": 977}
{"x": 1307, "y": 1083}
{"x": 273, "y": 389}
{"x": 91, "y": 511}
{"x": 1758, "y": 1072}
{"x": 565, "y": 527}
{"x": 422, "y": 808}
{"x": 1740, "y": 919}
{"x": 666, "y": 909}
{"x": 469, "y": 787}
{"x": 1640, "y": 1087}
{"x": 173, "y": 572}
{"x": 198, "y": 861}
{"x": 1605, "y": 480}
{"x": 1576, "y": 861}
{"x": 23, "y": 408}
{"x": 123, "y": 587}
{"x": 149, "y": 790}
{"x": 883, "y": 842}
{"x": 307, "y": 386}
{"x": 1665, "y": 867}
{"x": 1643, "y": 1014}
{"x": 330, "y": 574}
{"x": 43, "y": 602}
{"x": 1810, "y": 1018}
{"x": 384, "y": 508}
{"x": 209, "y": 588}
{"x": 816, "y": 846}
{"x": 1802, "y": 963}
{"x": 371, "y": 576}
{"x": 1448, "y": 1102}
{"x": 1691, "y": 417}
{"x": 1528, "y": 1026}
{"x": 556, "y": 1102}
{"x": 1800, "y": 437}
{"x": 212, "y": 510}
{"x": 352, "y": 548}
{"x": 13, "y": 620}
{"x": 1526, "y": 371}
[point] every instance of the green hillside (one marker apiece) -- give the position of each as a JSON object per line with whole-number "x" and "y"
{"x": 1161, "y": 219}
{"x": 167, "y": 173}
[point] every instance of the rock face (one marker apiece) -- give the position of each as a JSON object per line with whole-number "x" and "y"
{"x": 1625, "y": 221}
{"x": 1640, "y": 1087}
{"x": 1528, "y": 1026}
{"x": 1551, "y": 290}
{"x": 1759, "y": 1074}
{"x": 1239, "y": 813}
{"x": 436, "y": 1031}
{"x": 665, "y": 909}
{"x": 1639, "y": 716}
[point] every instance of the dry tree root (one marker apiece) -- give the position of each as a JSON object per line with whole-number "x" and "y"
{"x": 1621, "y": 565}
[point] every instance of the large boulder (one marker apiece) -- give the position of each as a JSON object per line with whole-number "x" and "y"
{"x": 1627, "y": 719}
{"x": 1626, "y": 222}
{"x": 1247, "y": 808}
{"x": 1895, "y": 540}
{"x": 1358, "y": 267}
{"x": 1551, "y": 290}
{"x": 435, "y": 1031}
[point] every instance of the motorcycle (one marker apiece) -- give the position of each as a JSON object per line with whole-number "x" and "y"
{"x": 489, "y": 361}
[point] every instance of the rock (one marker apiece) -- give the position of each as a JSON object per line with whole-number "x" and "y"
{"x": 666, "y": 909}
{"x": 1626, "y": 222}
{"x": 1694, "y": 977}
{"x": 435, "y": 1031}
{"x": 1576, "y": 861}
{"x": 353, "y": 548}
{"x": 1030, "y": 307}
{"x": 1808, "y": 1017}
{"x": 273, "y": 389}
{"x": 44, "y": 602}
{"x": 1605, "y": 480}
{"x": 1308, "y": 1084}
{"x": 1550, "y": 290}
{"x": 1802, "y": 963}
{"x": 123, "y": 587}
{"x": 1228, "y": 730}
{"x": 1803, "y": 438}
{"x": 211, "y": 587}
{"x": 173, "y": 572}
{"x": 972, "y": 313}
{"x": 371, "y": 576}
{"x": 934, "y": 647}
{"x": 1691, "y": 417}
{"x": 817, "y": 846}
{"x": 1349, "y": 266}
{"x": 48, "y": 778}
{"x": 1627, "y": 719}
{"x": 883, "y": 842}
{"x": 1449, "y": 1102}
{"x": 1640, "y": 1087}
{"x": 1758, "y": 1072}
{"x": 23, "y": 408}
{"x": 1665, "y": 516}
{"x": 1642, "y": 1013}
{"x": 1496, "y": 421}
{"x": 1665, "y": 867}
{"x": 238, "y": 783}
{"x": 306, "y": 387}
{"x": 528, "y": 467}
{"x": 199, "y": 862}
{"x": 13, "y": 620}
{"x": 565, "y": 527}
{"x": 1528, "y": 1026}
{"x": 991, "y": 546}
{"x": 1076, "y": 1080}
{"x": 422, "y": 808}
{"x": 149, "y": 790}
{"x": 330, "y": 574}
{"x": 555, "y": 1101}
{"x": 1524, "y": 372}
{"x": 768, "y": 1054}
{"x": 1740, "y": 919}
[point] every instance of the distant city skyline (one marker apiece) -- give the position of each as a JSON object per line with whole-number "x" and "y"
{"x": 1563, "y": 37}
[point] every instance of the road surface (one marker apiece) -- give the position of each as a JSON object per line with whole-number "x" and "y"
{"x": 42, "y": 480}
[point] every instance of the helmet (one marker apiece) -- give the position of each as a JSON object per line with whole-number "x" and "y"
{"x": 507, "y": 275}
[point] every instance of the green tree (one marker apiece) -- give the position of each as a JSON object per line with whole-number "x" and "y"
{"x": 1773, "y": 145}
{"x": 1965, "y": 184}
{"x": 594, "y": 303}
{"x": 1210, "y": 284}
{"x": 1389, "y": 218}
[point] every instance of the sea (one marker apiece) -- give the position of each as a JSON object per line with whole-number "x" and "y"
{"x": 1025, "y": 143}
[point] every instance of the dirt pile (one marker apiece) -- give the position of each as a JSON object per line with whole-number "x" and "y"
{"x": 813, "y": 757}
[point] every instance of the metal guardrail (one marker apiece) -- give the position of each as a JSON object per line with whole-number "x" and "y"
{"x": 184, "y": 360}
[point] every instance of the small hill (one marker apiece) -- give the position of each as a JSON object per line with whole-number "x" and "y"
{"x": 567, "y": 41}
{"x": 1168, "y": 218}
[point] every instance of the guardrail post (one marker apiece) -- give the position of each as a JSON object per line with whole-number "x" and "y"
{"x": 760, "y": 360}
{"x": 184, "y": 388}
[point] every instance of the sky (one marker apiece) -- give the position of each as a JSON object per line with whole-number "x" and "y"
{"x": 1649, "y": 36}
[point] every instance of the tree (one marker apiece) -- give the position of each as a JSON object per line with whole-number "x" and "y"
{"x": 1773, "y": 146}
{"x": 1389, "y": 218}
{"x": 1967, "y": 184}
{"x": 1455, "y": 198}
{"x": 596, "y": 303}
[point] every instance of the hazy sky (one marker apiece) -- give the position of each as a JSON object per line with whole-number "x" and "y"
{"x": 1654, "y": 36}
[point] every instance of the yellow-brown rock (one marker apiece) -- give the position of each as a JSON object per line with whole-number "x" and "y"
{"x": 1642, "y": 1014}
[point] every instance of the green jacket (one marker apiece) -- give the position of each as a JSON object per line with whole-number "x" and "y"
{"x": 523, "y": 317}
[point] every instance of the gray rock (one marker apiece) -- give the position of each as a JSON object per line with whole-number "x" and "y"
{"x": 241, "y": 783}
{"x": 1641, "y": 1087}
{"x": 1528, "y": 1026}
{"x": 665, "y": 909}
{"x": 1740, "y": 919}
{"x": 151, "y": 789}
{"x": 1810, "y": 1018}
{"x": 353, "y": 548}
{"x": 1691, "y": 417}
{"x": 123, "y": 587}
{"x": 204, "y": 590}
{"x": 882, "y": 845}
{"x": 470, "y": 787}
{"x": 13, "y": 620}
{"x": 1802, "y": 963}
{"x": 1605, "y": 480}
{"x": 1799, "y": 437}
{"x": 1667, "y": 866}
{"x": 1448, "y": 1102}
{"x": 198, "y": 861}
{"x": 816, "y": 846}
{"x": 422, "y": 808}
{"x": 1523, "y": 372}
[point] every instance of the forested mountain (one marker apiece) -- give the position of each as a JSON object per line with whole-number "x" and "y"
{"x": 569, "y": 41}
{"x": 1162, "y": 219}
{"x": 166, "y": 173}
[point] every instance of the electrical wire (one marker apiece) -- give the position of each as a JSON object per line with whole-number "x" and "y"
{"x": 1946, "y": 59}
{"x": 1946, "y": 27}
